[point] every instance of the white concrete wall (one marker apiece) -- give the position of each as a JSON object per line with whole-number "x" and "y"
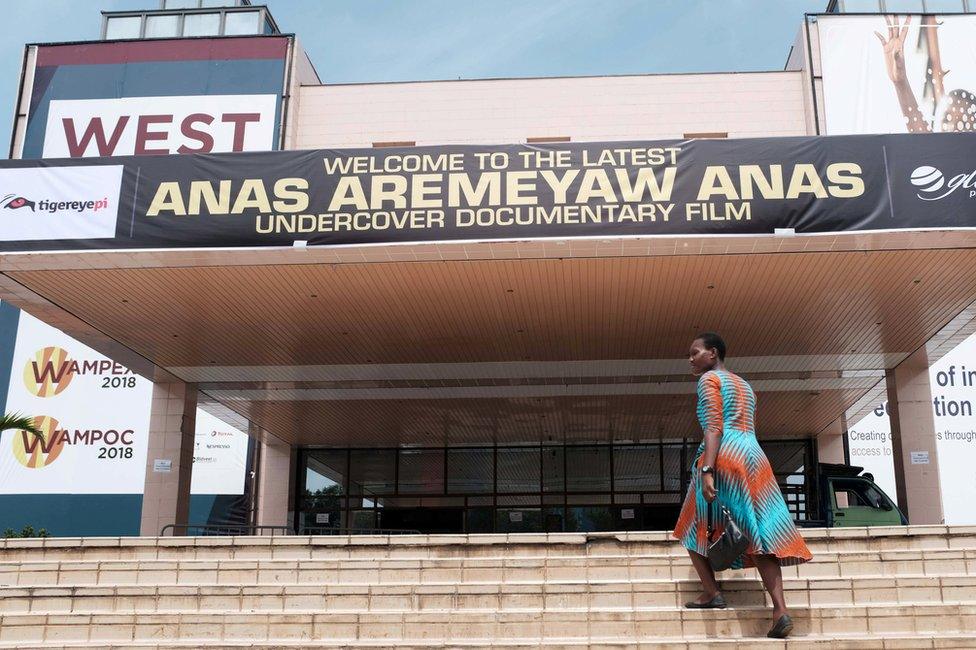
{"x": 584, "y": 108}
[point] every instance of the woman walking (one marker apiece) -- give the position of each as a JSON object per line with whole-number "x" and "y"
{"x": 731, "y": 467}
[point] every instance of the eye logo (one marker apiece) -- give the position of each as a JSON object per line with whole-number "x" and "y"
{"x": 932, "y": 185}
{"x": 12, "y": 202}
{"x": 35, "y": 452}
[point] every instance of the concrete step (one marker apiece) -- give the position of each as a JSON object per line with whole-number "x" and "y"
{"x": 622, "y": 625}
{"x": 453, "y": 546}
{"x": 880, "y": 641}
{"x": 495, "y": 596}
{"x": 901, "y": 563}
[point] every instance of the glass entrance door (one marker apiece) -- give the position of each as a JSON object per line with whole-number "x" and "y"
{"x": 512, "y": 489}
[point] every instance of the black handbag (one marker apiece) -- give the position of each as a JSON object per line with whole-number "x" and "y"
{"x": 725, "y": 550}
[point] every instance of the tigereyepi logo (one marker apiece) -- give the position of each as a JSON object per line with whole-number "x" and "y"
{"x": 932, "y": 185}
{"x": 49, "y": 371}
{"x": 12, "y": 201}
{"x": 35, "y": 452}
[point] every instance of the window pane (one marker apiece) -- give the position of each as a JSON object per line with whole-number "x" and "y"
{"x": 857, "y": 6}
{"x": 123, "y": 27}
{"x": 470, "y": 471}
{"x": 241, "y": 22}
{"x": 587, "y": 469}
{"x": 201, "y": 24}
{"x": 676, "y": 474}
{"x": 636, "y": 468}
{"x": 518, "y": 520}
{"x": 948, "y": 6}
{"x": 421, "y": 471}
{"x": 221, "y": 3}
{"x": 590, "y": 519}
{"x": 553, "y": 476}
{"x": 518, "y": 470}
{"x": 371, "y": 471}
{"x": 903, "y": 5}
{"x": 162, "y": 26}
{"x": 180, "y": 4}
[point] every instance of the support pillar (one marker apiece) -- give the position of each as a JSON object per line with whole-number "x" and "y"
{"x": 832, "y": 443}
{"x": 169, "y": 462}
{"x": 913, "y": 442}
{"x": 277, "y": 466}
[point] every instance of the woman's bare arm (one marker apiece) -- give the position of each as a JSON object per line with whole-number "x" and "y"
{"x": 894, "y": 55}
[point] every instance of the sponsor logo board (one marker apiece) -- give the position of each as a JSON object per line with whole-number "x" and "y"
{"x": 219, "y": 457}
{"x": 47, "y": 203}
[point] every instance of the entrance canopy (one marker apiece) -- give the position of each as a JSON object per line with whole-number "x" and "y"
{"x": 578, "y": 348}
{"x": 822, "y": 261}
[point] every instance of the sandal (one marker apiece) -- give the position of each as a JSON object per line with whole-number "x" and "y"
{"x": 717, "y": 602}
{"x": 782, "y": 628}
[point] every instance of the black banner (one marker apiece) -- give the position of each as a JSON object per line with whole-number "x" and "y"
{"x": 423, "y": 194}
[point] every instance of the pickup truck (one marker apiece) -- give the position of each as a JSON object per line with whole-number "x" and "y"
{"x": 850, "y": 498}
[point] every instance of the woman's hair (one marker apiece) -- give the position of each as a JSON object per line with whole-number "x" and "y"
{"x": 713, "y": 340}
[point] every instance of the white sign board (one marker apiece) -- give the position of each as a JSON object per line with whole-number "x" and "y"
{"x": 47, "y": 203}
{"x": 219, "y": 457}
{"x": 162, "y": 465}
{"x": 93, "y": 412}
{"x": 953, "y": 381}
{"x": 82, "y": 128}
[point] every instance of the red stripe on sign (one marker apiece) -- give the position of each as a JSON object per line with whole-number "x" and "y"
{"x": 193, "y": 49}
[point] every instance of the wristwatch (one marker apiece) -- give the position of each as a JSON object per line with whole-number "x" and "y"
{"x": 707, "y": 469}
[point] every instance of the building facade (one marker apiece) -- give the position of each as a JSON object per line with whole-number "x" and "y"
{"x": 516, "y": 379}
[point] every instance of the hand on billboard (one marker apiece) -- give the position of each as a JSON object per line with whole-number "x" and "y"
{"x": 894, "y": 47}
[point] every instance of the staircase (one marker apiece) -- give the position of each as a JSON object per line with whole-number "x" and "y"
{"x": 892, "y": 587}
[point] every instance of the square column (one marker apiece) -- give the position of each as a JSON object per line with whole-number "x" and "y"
{"x": 277, "y": 466}
{"x": 832, "y": 443}
{"x": 169, "y": 462}
{"x": 913, "y": 442}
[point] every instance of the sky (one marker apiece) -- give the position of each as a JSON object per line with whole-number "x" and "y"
{"x": 400, "y": 40}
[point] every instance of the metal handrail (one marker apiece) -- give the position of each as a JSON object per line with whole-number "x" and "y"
{"x": 226, "y": 529}
{"x": 358, "y": 531}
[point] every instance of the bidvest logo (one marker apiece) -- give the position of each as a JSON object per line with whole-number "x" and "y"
{"x": 12, "y": 201}
{"x": 932, "y": 184}
{"x": 49, "y": 371}
{"x": 33, "y": 451}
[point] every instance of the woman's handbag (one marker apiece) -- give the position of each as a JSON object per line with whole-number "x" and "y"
{"x": 730, "y": 544}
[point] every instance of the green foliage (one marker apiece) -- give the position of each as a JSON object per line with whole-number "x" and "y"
{"x": 323, "y": 499}
{"x": 26, "y": 532}
{"x": 19, "y": 422}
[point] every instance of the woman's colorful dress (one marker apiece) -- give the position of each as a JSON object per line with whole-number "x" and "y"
{"x": 744, "y": 478}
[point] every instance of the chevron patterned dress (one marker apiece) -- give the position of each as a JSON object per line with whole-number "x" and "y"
{"x": 744, "y": 478}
